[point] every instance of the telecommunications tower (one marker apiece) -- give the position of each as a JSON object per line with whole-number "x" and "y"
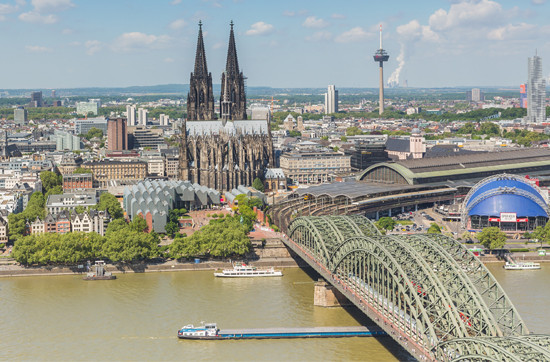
{"x": 381, "y": 56}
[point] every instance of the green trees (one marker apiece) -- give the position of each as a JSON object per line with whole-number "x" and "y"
{"x": 82, "y": 170}
{"x": 50, "y": 180}
{"x": 110, "y": 203}
{"x": 36, "y": 207}
{"x": 353, "y": 131}
{"x": 434, "y": 229}
{"x": 492, "y": 238}
{"x": 126, "y": 245}
{"x": 56, "y": 190}
{"x": 386, "y": 223}
{"x": 295, "y": 134}
{"x": 258, "y": 184}
{"x": 94, "y": 132}
{"x": 220, "y": 238}
{"x": 542, "y": 234}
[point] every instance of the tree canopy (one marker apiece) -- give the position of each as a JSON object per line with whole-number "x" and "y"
{"x": 492, "y": 238}
{"x": 434, "y": 229}
{"x": 110, "y": 203}
{"x": 82, "y": 170}
{"x": 50, "y": 180}
{"x": 386, "y": 223}
{"x": 258, "y": 184}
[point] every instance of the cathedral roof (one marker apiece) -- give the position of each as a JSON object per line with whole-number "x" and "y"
{"x": 247, "y": 127}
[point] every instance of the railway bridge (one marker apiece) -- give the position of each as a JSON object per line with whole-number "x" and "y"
{"x": 428, "y": 292}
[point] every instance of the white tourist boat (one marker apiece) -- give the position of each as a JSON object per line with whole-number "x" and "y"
{"x": 524, "y": 265}
{"x": 245, "y": 271}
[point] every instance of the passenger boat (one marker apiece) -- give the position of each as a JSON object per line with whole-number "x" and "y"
{"x": 243, "y": 271}
{"x": 206, "y": 331}
{"x": 521, "y": 266}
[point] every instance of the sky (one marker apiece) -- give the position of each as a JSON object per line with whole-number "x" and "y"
{"x": 280, "y": 43}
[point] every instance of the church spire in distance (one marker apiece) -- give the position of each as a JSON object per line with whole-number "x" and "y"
{"x": 233, "y": 95}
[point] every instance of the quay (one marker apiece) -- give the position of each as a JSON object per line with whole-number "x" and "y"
{"x": 313, "y": 332}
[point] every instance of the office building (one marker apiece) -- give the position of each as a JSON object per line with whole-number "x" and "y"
{"x": 86, "y": 108}
{"x": 314, "y": 167}
{"x": 36, "y": 99}
{"x": 77, "y": 181}
{"x": 142, "y": 116}
{"x": 536, "y": 91}
{"x": 117, "y": 134}
{"x": 131, "y": 115}
{"x": 82, "y": 126}
{"x": 66, "y": 141}
{"x": 106, "y": 171}
{"x": 20, "y": 116}
{"x": 331, "y": 100}
{"x": 141, "y": 137}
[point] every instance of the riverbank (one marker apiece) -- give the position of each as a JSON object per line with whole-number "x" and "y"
{"x": 272, "y": 254}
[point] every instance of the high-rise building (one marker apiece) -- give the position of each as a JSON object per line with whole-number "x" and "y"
{"x": 475, "y": 95}
{"x": 523, "y": 95}
{"x": 117, "y": 134}
{"x": 536, "y": 91}
{"x": 53, "y": 94}
{"x": 200, "y": 100}
{"x": 20, "y": 115}
{"x": 86, "y": 108}
{"x": 164, "y": 119}
{"x": 142, "y": 116}
{"x": 36, "y": 99}
{"x": 131, "y": 115}
{"x": 331, "y": 100}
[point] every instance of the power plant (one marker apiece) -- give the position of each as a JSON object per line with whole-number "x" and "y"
{"x": 381, "y": 56}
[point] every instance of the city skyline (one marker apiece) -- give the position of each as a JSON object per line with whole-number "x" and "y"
{"x": 70, "y": 43}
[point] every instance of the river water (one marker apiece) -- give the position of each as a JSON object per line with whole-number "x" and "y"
{"x": 136, "y": 317}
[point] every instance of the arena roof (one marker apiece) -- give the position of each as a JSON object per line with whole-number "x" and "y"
{"x": 505, "y": 194}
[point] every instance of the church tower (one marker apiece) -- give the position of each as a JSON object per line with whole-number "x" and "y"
{"x": 200, "y": 100}
{"x": 233, "y": 96}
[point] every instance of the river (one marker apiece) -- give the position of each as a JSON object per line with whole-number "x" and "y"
{"x": 136, "y": 317}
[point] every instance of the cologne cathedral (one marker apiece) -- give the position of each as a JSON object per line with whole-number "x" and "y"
{"x": 232, "y": 150}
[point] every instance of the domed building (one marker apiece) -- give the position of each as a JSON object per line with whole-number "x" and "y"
{"x": 509, "y": 202}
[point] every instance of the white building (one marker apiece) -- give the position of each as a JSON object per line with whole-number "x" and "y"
{"x": 131, "y": 115}
{"x": 331, "y": 100}
{"x": 142, "y": 116}
{"x": 164, "y": 119}
{"x": 536, "y": 91}
{"x": 86, "y": 108}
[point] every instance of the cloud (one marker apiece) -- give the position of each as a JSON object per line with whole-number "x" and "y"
{"x": 289, "y": 13}
{"x": 260, "y": 28}
{"x": 511, "y": 31}
{"x": 169, "y": 60}
{"x": 67, "y": 31}
{"x": 314, "y": 22}
{"x": 218, "y": 45}
{"x": 37, "y": 18}
{"x": 177, "y": 24}
{"x": 320, "y": 36}
{"x": 353, "y": 35}
{"x": 338, "y": 16}
{"x": 93, "y": 46}
{"x": 175, "y": 2}
{"x": 538, "y": 2}
{"x": 466, "y": 13}
{"x": 136, "y": 41}
{"x": 51, "y": 6}
{"x": 413, "y": 31}
{"x": 7, "y": 8}
{"x": 38, "y": 49}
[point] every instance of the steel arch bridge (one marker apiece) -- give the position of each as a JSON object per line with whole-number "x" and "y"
{"x": 432, "y": 295}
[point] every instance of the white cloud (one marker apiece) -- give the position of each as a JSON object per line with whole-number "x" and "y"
{"x": 37, "y": 18}
{"x": 177, "y": 24}
{"x": 353, "y": 35}
{"x": 175, "y": 2}
{"x": 169, "y": 60}
{"x": 49, "y": 6}
{"x": 93, "y": 46}
{"x": 67, "y": 31}
{"x": 260, "y": 28}
{"x": 466, "y": 13}
{"x": 314, "y": 22}
{"x": 134, "y": 41}
{"x": 7, "y": 8}
{"x": 38, "y": 49}
{"x": 289, "y": 13}
{"x": 413, "y": 31}
{"x": 538, "y": 2}
{"x": 511, "y": 31}
{"x": 338, "y": 16}
{"x": 320, "y": 36}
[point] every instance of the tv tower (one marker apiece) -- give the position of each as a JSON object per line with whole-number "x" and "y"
{"x": 381, "y": 56}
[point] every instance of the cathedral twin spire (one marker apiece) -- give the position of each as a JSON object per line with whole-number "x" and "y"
{"x": 200, "y": 100}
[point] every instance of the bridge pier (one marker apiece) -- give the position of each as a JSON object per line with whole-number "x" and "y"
{"x": 326, "y": 295}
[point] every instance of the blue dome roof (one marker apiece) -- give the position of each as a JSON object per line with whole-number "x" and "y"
{"x": 505, "y": 182}
{"x": 521, "y": 205}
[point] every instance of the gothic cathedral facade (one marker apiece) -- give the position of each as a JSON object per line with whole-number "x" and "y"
{"x": 225, "y": 153}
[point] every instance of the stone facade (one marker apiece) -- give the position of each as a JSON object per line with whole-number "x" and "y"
{"x": 64, "y": 222}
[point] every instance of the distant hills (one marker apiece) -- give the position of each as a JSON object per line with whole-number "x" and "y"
{"x": 182, "y": 89}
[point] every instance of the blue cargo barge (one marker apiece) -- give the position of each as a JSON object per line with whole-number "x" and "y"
{"x": 211, "y": 332}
